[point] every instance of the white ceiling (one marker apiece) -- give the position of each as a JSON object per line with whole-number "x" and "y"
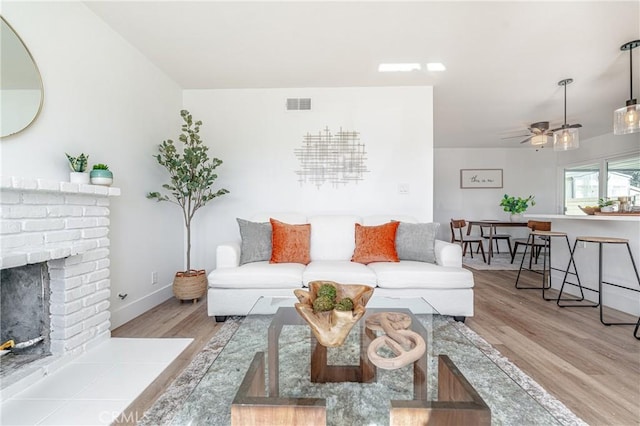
{"x": 504, "y": 59}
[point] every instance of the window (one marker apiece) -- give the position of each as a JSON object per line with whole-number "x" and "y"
{"x": 623, "y": 177}
{"x": 581, "y": 187}
{"x": 610, "y": 178}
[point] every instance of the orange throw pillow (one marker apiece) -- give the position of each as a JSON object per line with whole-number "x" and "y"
{"x": 376, "y": 243}
{"x": 290, "y": 243}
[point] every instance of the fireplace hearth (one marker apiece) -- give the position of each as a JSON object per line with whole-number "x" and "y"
{"x": 55, "y": 272}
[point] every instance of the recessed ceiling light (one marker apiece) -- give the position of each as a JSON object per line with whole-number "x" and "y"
{"x": 399, "y": 67}
{"x": 436, "y": 66}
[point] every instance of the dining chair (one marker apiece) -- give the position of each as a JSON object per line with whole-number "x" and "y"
{"x": 538, "y": 243}
{"x": 457, "y": 225}
{"x": 485, "y": 230}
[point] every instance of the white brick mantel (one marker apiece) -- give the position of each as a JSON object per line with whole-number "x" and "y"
{"x": 66, "y": 225}
{"x": 43, "y": 220}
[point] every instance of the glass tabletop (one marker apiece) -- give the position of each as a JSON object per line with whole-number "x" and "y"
{"x": 353, "y": 402}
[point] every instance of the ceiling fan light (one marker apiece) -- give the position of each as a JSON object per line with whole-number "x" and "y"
{"x": 538, "y": 140}
{"x": 627, "y": 119}
{"x": 566, "y": 139}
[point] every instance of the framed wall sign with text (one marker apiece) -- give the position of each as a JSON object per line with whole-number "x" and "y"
{"x": 480, "y": 178}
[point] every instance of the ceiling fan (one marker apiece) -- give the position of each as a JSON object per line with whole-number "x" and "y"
{"x": 539, "y": 133}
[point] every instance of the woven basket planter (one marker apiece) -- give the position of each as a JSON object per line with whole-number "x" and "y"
{"x": 190, "y": 285}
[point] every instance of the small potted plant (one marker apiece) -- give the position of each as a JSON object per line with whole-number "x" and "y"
{"x": 606, "y": 205}
{"x": 78, "y": 167}
{"x": 101, "y": 175}
{"x": 516, "y": 206}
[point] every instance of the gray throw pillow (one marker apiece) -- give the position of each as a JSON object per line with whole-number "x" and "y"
{"x": 256, "y": 241}
{"x": 416, "y": 241}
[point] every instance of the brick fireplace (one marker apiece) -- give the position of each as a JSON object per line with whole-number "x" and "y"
{"x": 66, "y": 227}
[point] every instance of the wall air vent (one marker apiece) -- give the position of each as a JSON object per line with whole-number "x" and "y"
{"x": 298, "y": 104}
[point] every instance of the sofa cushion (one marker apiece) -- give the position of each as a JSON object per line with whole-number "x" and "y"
{"x": 256, "y": 241}
{"x": 290, "y": 243}
{"x": 376, "y": 243}
{"x": 410, "y": 274}
{"x": 416, "y": 241}
{"x": 341, "y": 271}
{"x": 258, "y": 275}
{"x": 333, "y": 237}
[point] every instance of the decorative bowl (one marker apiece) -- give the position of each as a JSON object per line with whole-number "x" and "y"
{"x": 331, "y": 328}
{"x": 589, "y": 210}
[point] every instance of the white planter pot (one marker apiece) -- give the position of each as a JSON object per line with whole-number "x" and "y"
{"x": 516, "y": 217}
{"x": 79, "y": 177}
{"x": 101, "y": 181}
{"x": 101, "y": 177}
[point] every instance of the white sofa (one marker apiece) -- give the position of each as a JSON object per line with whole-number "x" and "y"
{"x": 234, "y": 289}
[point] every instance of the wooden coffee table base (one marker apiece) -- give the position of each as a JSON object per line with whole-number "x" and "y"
{"x": 322, "y": 372}
{"x": 458, "y": 402}
{"x": 252, "y": 406}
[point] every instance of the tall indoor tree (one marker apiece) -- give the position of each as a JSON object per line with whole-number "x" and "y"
{"x": 192, "y": 174}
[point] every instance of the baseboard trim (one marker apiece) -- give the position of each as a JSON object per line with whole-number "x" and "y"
{"x": 140, "y": 306}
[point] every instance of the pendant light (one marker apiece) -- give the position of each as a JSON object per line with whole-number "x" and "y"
{"x": 566, "y": 138}
{"x": 627, "y": 119}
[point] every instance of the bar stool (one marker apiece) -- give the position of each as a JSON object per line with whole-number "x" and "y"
{"x": 542, "y": 231}
{"x": 600, "y": 241}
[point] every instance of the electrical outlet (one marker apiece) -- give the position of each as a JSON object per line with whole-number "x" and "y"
{"x": 403, "y": 188}
{"x": 154, "y": 277}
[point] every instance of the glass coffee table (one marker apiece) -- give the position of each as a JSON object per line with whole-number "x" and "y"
{"x": 268, "y": 364}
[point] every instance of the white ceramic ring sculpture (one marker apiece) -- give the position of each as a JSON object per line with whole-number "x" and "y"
{"x": 407, "y": 345}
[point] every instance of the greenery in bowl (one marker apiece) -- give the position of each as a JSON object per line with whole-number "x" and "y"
{"x": 100, "y": 166}
{"x": 79, "y": 163}
{"x": 603, "y": 202}
{"x": 517, "y": 205}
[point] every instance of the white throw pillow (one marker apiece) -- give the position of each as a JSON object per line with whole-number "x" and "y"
{"x": 333, "y": 236}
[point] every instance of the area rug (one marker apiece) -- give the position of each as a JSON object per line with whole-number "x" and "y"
{"x": 169, "y": 408}
{"x": 499, "y": 262}
{"x": 170, "y": 401}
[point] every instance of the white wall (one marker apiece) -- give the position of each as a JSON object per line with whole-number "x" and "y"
{"x": 103, "y": 98}
{"x": 525, "y": 172}
{"x": 255, "y": 136}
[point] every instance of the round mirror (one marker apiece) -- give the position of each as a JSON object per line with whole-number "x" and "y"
{"x": 21, "y": 91}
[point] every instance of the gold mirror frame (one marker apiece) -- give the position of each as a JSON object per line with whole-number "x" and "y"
{"x": 21, "y": 88}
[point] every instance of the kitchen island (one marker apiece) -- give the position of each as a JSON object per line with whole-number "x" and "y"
{"x": 617, "y": 267}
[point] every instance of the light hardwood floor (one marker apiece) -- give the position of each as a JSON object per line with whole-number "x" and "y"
{"x": 593, "y": 369}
